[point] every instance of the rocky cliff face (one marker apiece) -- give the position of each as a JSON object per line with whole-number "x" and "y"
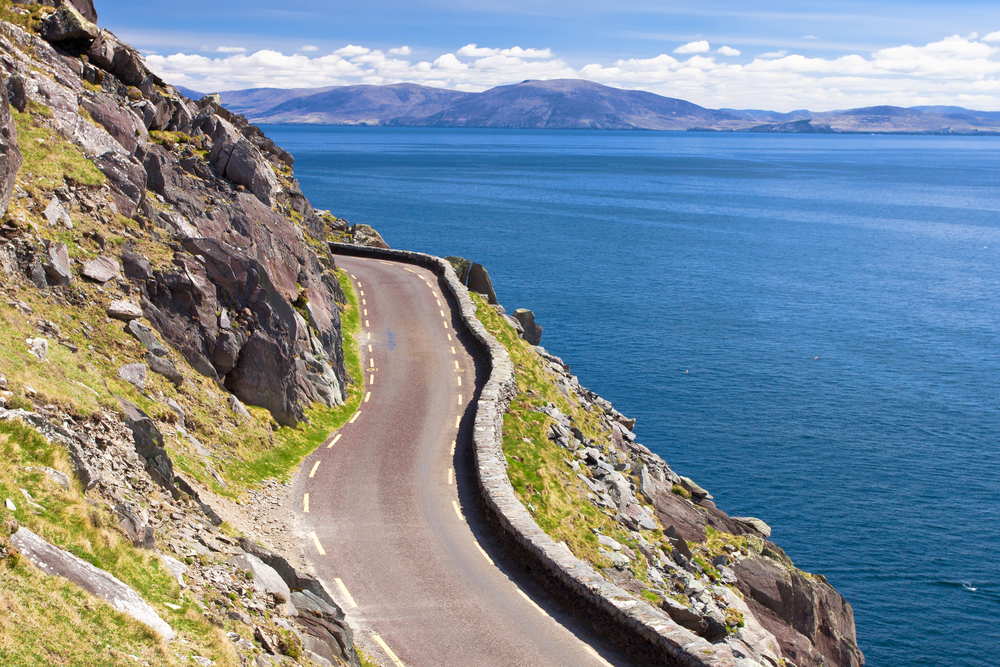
{"x": 243, "y": 286}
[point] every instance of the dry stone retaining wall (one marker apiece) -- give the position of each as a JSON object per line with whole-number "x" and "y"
{"x": 640, "y": 628}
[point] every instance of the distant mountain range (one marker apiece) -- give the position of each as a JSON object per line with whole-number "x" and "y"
{"x": 575, "y": 104}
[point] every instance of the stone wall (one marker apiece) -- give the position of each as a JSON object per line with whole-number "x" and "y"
{"x": 642, "y": 630}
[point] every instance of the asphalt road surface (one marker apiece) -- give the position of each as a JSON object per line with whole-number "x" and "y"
{"x": 389, "y": 502}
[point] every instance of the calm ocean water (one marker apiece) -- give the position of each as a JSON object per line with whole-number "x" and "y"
{"x": 808, "y": 326}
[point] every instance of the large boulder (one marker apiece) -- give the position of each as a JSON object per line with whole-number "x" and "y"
{"x": 67, "y": 24}
{"x": 58, "y": 266}
{"x": 479, "y": 281}
{"x": 149, "y": 444}
{"x": 55, "y": 562}
{"x": 121, "y": 122}
{"x": 532, "y": 330}
{"x": 128, "y": 181}
{"x": 10, "y": 154}
{"x": 101, "y": 269}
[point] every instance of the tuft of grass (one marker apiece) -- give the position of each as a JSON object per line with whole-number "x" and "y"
{"x": 48, "y": 155}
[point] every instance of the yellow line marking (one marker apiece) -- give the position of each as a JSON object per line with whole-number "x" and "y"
{"x": 371, "y": 362}
{"x": 449, "y": 336}
{"x": 531, "y": 602}
{"x": 319, "y": 547}
{"x": 343, "y": 589}
{"x": 312, "y": 473}
{"x": 388, "y": 651}
{"x": 445, "y": 324}
{"x": 451, "y": 478}
{"x": 435, "y": 294}
{"x": 369, "y": 348}
{"x": 456, "y": 365}
{"x": 356, "y": 415}
{"x": 459, "y": 378}
{"x": 364, "y": 302}
{"x": 439, "y": 302}
{"x": 458, "y": 421}
{"x": 305, "y": 504}
{"x": 368, "y": 397}
{"x": 362, "y": 293}
{"x": 459, "y": 399}
{"x": 410, "y": 270}
{"x": 485, "y": 555}
{"x": 453, "y": 350}
{"x": 371, "y": 380}
{"x": 458, "y": 512}
{"x": 597, "y": 655}
{"x": 366, "y": 312}
{"x": 442, "y": 313}
{"x": 334, "y": 441}
{"x": 453, "y": 448}
{"x": 354, "y": 276}
{"x": 367, "y": 325}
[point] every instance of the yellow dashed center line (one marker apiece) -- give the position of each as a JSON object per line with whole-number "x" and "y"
{"x": 434, "y": 293}
{"x": 594, "y": 653}
{"x": 366, "y": 312}
{"x": 319, "y": 547}
{"x": 334, "y": 441}
{"x": 410, "y": 270}
{"x": 449, "y": 336}
{"x": 458, "y": 512}
{"x": 531, "y": 602}
{"x": 451, "y": 478}
{"x": 363, "y": 302}
{"x": 453, "y": 351}
{"x": 371, "y": 362}
{"x": 371, "y": 380}
{"x": 312, "y": 473}
{"x": 356, "y": 415}
{"x": 453, "y": 448}
{"x": 354, "y": 276}
{"x": 343, "y": 589}
{"x": 457, "y": 367}
{"x": 367, "y": 325}
{"x": 458, "y": 421}
{"x": 459, "y": 378}
{"x": 439, "y": 302}
{"x": 388, "y": 651}
{"x": 442, "y": 313}
{"x": 305, "y": 504}
{"x": 445, "y": 324}
{"x": 362, "y": 293}
{"x": 459, "y": 399}
{"x": 368, "y": 397}
{"x": 485, "y": 555}
{"x": 369, "y": 348}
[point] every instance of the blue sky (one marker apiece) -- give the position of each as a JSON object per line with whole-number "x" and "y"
{"x": 772, "y": 54}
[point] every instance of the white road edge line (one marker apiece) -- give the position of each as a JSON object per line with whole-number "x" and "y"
{"x": 532, "y": 603}
{"x": 388, "y": 651}
{"x": 343, "y": 589}
{"x": 485, "y": 555}
{"x": 458, "y": 512}
{"x": 312, "y": 473}
{"x": 319, "y": 547}
{"x": 305, "y": 503}
{"x": 334, "y": 441}
{"x": 589, "y": 649}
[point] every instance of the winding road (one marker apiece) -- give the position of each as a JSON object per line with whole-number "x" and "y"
{"x": 389, "y": 502}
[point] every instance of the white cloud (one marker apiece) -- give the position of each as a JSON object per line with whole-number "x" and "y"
{"x": 351, "y": 50}
{"x": 230, "y": 49}
{"x": 964, "y": 71}
{"x": 810, "y": 37}
{"x": 728, "y": 51}
{"x": 309, "y": 48}
{"x": 401, "y": 51}
{"x": 774, "y": 54}
{"x": 694, "y": 47}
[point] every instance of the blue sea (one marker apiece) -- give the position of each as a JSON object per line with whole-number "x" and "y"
{"x": 808, "y": 326}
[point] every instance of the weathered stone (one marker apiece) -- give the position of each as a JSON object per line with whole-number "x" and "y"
{"x": 120, "y": 122}
{"x": 88, "y": 475}
{"x": 10, "y": 154}
{"x": 128, "y": 181}
{"x": 754, "y": 523}
{"x": 165, "y": 367}
{"x": 38, "y": 347}
{"x": 148, "y": 339}
{"x": 246, "y": 166}
{"x": 479, "y": 281}
{"x": 236, "y": 406}
{"x": 124, "y": 310}
{"x": 134, "y": 374}
{"x": 264, "y": 577}
{"x": 149, "y": 444}
{"x": 36, "y": 273}
{"x": 532, "y": 330}
{"x": 56, "y": 562}
{"x": 325, "y": 632}
{"x": 695, "y": 490}
{"x": 85, "y": 7}
{"x": 366, "y": 235}
{"x": 56, "y": 215}
{"x": 101, "y": 270}
{"x": 136, "y": 266}
{"x": 67, "y": 24}
{"x": 60, "y": 478}
{"x": 58, "y": 267}
{"x": 135, "y": 527}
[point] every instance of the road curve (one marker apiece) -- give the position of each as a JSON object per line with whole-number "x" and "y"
{"x": 391, "y": 520}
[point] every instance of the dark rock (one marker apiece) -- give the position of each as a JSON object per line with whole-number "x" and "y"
{"x": 479, "y": 281}
{"x": 56, "y": 562}
{"x": 149, "y": 444}
{"x": 264, "y": 576}
{"x": 532, "y": 330}
{"x": 246, "y": 166}
{"x": 85, "y": 7}
{"x": 165, "y": 367}
{"x": 36, "y": 274}
{"x": 684, "y": 616}
{"x": 365, "y": 235}
{"x": 58, "y": 265}
{"x": 10, "y": 154}
{"x": 696, "y": 491}
{"x": 128, "y": 181}
{"x": 135, "y": 527}
{"x": 101, "y": 269}
{"x": 110, "y": 54}
{"x": 755, "y": 524}
{"x": 136, "y": 266}
{"x": 206, "y": 509}
{"x": 87, "y": 474}
{"x": 125, "y": 311}
{"x": 67, "y": 24}
{"x": 227, "y": 350}
{"x": 148, "y": 339}
{"x": 121, "y": 122}
{"x": 324, "y": 629}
